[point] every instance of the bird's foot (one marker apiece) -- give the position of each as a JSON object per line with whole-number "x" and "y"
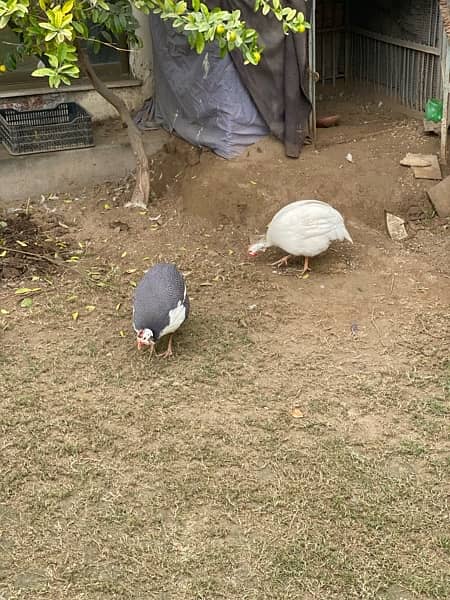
{"x": 281, "y": 262}
{"x": 306, "y": 267}
{"x": 168, "y": 353}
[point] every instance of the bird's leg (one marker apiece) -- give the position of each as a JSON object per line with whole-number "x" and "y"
{"x": 168, "y": 353}
{"x": 282, "y": 261}
{"x": 305, "y": 265}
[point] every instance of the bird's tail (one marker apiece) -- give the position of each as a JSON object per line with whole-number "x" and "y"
{"x": 347, "y": 236}
{"x": 344, "y": 234}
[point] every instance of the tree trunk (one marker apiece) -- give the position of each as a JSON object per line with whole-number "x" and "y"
{"x": 141, "y": 190}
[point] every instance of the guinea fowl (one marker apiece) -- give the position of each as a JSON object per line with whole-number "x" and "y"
{"x": 161, "y": 305}
{"x": 303, "y": 228}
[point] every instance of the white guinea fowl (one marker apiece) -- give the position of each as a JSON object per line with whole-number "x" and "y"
{"x": 303, "y": 228}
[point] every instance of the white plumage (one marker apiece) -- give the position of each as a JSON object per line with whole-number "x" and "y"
{"x": 303, "y": 228}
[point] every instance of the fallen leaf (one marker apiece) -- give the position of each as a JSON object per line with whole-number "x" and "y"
{"x": 146, "y": 258}
{"x": 118, "y": 306}
{"x": 23, "y": 244}
{"x": 123, "y": 254}
{"x": 296, "y": 413}
{"x": 133, "y": 283}
{"x": 35, "y": 278}
{"x": 107, "y": 206}
{"x": 253, "y": 182}
{"x": 2, "y": 254}
{"x": 3, "y": 311}
{"x": 24, "y": 290}
{"x": 349, "y": 158}
{"x": 122, "y": 333}
{"x": 73, "y": 258}
{"x": 305, "y": 276}
{"x": 230, "y": 252}
{"x": 26, "y": 303}
{"x": 129, "y": 271}
{"x": 155, "y": 218}
{"x": 72, "y": 298}
{"x": 90, "y": 307}
{"x": 205, "y": 284}
{"x": 61, "y": 224}
{"x": 75, "y": 315}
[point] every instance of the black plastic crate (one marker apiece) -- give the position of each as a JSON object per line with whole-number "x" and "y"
{"x": 65, "y": 127}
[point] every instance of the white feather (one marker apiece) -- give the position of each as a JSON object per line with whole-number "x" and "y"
{"x": 177, "y": 316}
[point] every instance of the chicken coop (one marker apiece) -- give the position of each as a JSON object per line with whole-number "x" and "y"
{"x": 399, "y": 49}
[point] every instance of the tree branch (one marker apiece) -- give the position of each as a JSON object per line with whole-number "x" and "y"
{"x": 142, "y": 188}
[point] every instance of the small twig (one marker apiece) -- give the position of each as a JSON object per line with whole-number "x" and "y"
{"x": 426, "y": 331}
{"x": 33, "y": 255}
{"x": 372, "y": 320}
{"x": 88, "y": 39}
{"x": 392, "y": 284}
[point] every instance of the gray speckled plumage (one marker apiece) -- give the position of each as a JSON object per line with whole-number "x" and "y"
{"x": 161, "y": 290}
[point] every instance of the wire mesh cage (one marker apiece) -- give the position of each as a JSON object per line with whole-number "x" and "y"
{"x": 65, "y": 127}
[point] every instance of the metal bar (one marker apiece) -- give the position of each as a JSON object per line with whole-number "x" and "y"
{"x": 312, "y": 71}
{"x": 322, "y": 68}
{"x": 333, "y": 60}
{"x": 397, "y": 42}
{"x": 407, "y": 71}
{"x": 446, "y": 90}
{"x": 347, "y": 34}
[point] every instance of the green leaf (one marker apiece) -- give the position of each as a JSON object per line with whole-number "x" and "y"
{"x": 52, "y": 59}
{"x": 80, "y": 28}
{"x": 42, "y": 72}
{"x": 199, "y": 43}
{"x": 67, "y": 7}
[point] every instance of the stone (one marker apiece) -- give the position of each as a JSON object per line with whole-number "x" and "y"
{"x": 439, "y": 195}
{"x": 416, "y": 160}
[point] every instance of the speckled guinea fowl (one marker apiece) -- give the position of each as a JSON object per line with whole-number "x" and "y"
{"x": 303, "y": 228}
{"x": 161, "y": 305}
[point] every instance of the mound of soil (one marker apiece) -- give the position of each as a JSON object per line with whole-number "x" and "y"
{"x": 28, "y": 247}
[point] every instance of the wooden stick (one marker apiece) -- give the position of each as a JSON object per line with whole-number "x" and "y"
{"x": 32, "y": 255}
{"x": 365, "y": 137}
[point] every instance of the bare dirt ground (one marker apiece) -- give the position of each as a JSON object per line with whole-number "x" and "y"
{"x": 296, "y": 447}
